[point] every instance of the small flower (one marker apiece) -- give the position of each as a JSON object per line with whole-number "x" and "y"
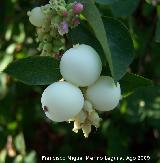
{"x": 77, "y": 8}
{"x": 63, "y": 28}
{"x": 86, "y": 128}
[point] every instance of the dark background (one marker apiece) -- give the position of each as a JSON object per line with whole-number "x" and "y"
{"x": 132, "y": 129}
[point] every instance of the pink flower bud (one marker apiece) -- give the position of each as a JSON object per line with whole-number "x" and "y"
{"x": 77, "y": 8}
{"x": 75, "y": 21}
{"x": 63, "y": 28}
{"x": 65, "y": 14}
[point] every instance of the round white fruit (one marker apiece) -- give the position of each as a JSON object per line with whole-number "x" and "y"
{"x": 81, "y": 65}
{"x": 104, "y": 94}
{"x": 62, "y": 101}
{"x": 36, "y": 17}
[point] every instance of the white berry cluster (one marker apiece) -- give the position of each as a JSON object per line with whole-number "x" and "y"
{"x": 52, "y": 22}
{"x": 82, "y": 92}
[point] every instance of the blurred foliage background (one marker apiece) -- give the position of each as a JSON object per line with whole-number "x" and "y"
{"x": 133, "y": 129}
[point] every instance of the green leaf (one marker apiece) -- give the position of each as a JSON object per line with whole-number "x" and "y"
{"x": 20, "y": 144}
{"x": 35, "y": 70}
{"x": 131, "y": 82}
{"x": 144, "y": 106}
{"x": 106, "y": 2}
{"x": 18, "y": 159}
{"x": 114, "y": 38}
{"x": 30, "y": 157}
{"x": 121, "y": 46}
{"x": 157, "y": 35}
{"x": 124, "y": 7}
{"x": 121, "y": 8}
{"x": 82, "y": 35}
{"x": 3, "y": 85}
{"x": 93, "y": 17}
{"x": 149, "y": 1}
{"x": 118, "y": 37}
{"x": 105, "y": 10}
{"x": 3, "y": 155}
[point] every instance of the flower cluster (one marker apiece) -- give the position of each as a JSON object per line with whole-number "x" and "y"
{"x": 85, "y": 119}
{"x": 53, "y": 21}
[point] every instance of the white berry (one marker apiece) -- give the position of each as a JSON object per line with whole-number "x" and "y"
{"x": 62, "y": 101}
{"x": 36, "y": 17}
{"x": 81, "y": 65}
{"x": 104, "y": 94}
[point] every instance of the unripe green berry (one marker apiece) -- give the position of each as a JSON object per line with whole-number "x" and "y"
{"x": 47, "y": 38}
{"x": 47, "y": 49}
{"x": 40, "y": 34}
{"x": 61, "y": 10}
{"x": 56, "y": 20}
{"x": 47, "y": 9}
{"x": 36, "y": 17}
{"x": 56, "y": 49}
{"x": 104, "y": 94}
{"x": 53, "y": 33}
{"x": 40, "y": 47}
{"x": 45, "y": 27}
{"x": 57, "y": 42}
